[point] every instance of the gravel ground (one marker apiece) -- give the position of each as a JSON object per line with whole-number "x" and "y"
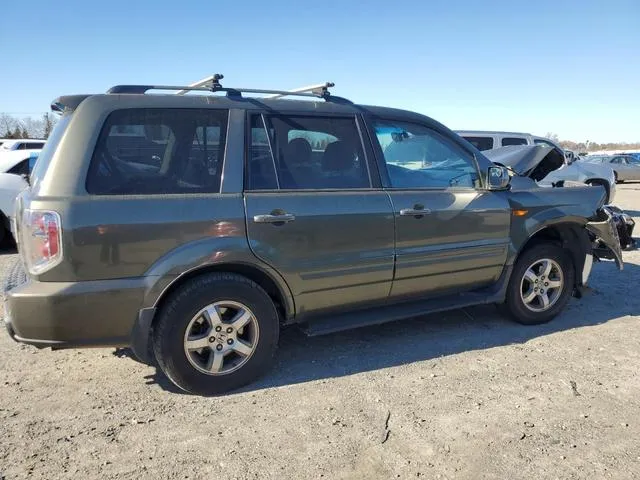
{"x": 464, "y": 394}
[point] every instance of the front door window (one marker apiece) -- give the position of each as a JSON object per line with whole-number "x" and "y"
{"x": 418, "y": 157}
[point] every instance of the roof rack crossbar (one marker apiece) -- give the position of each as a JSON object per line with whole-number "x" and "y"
{"x": 318, "y": 90}
{"x": 212, "y": 84}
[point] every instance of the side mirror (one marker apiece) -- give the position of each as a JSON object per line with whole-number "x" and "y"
{"x": 498, "y": 178}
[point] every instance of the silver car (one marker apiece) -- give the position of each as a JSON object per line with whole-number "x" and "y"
{"x": 625, "y": 167}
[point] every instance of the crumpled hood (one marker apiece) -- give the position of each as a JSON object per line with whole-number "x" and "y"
{"x": 533, "y": 161}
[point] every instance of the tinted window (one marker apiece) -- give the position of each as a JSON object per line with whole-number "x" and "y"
{"x": 159, "y": 151}
{"x": 307, "y": 152}
{"x": 507, "y": 141}
{"x": 418, "y": 157}
{"x": 21, "y": 168}
{"x": 481, "y": 143}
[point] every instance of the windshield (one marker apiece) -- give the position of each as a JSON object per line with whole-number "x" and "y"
{"x": 42, "y": 162}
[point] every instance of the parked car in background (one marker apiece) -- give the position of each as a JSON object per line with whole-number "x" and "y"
{"x": 15, "y": 168}
{"x": 21, "y": 144}
{"x": 488, "y": 140}
{"x": 570, "y": 171}
{"x": 626, "y": 167}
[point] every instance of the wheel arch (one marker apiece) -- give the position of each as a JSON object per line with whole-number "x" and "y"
{"x": 570, "y": 236}
{"x": 283, "y": 301}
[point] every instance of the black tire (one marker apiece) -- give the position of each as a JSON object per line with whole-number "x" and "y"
{"x": 615, "y": 175}
{"x": 515, "y": 306}
{"x": 168, "y": 334}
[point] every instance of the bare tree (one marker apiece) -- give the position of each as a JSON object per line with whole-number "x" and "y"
{"x": 8, "y": 125}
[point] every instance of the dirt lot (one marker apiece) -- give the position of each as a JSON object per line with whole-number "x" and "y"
{"x": 466, "y": 394}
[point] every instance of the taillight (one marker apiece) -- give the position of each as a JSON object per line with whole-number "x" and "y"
{"x": 41, "y": 235}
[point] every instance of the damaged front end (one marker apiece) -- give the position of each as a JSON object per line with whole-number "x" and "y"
{"x": 605, "y": 240}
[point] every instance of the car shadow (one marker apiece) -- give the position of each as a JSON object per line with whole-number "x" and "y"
{"x": 303, "y": 359}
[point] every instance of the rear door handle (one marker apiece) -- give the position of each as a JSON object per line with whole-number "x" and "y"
{"x": 281, "y": 218}
{"x": 413, "y": 212}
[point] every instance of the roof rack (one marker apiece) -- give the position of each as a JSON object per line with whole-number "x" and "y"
{"x": 212, "y": 84}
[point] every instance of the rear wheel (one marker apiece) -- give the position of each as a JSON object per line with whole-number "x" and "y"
{"x": 216, "y": 333}
{"x": 541, "y": 284}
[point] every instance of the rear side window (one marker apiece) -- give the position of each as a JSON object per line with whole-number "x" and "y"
{"x": 159, "y": 151}
{"x": 508, "y": 141}
{"x": 481, "y": 143}
{"x": 295, "y": 152}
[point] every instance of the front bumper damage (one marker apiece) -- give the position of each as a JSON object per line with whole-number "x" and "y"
{"x": 605, "y": 238}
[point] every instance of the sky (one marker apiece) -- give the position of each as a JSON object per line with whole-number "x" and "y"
{"x": 570, "y": 67}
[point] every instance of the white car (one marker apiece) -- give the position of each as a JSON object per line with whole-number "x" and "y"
{"x": 571, "y": 171}
{"x": 15, "y": 168}
{"x": 9, "y": 145}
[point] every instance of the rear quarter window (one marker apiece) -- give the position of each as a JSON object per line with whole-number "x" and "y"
{"x": 481, "y": 143}
{"x": 508, "y": 141}
{"x": 159, "y": 151}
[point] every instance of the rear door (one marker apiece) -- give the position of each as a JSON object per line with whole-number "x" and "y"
{"x": 315, "y": 210}
{"x": 451, "y": 235}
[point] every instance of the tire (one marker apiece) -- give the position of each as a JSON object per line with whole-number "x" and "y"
{"x": 225, "y": 296}
{"x": 520, "y": 288}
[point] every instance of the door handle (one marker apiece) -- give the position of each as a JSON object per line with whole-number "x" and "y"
{"x": 414, "y": 212}
{"x": 280, "y": 218}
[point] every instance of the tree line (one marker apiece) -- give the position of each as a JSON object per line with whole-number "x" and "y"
{"x": 589, "y": 146}
{"x": 27, "y": 127}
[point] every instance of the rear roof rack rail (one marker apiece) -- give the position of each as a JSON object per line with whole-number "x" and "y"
{"x": 212, "y": 84}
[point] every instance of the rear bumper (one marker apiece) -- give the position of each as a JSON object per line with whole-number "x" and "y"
{"x": 73, "y": 314}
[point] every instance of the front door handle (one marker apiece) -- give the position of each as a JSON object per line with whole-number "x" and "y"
{"x": 279, "y": 218}
{"x": 414, "y": 212}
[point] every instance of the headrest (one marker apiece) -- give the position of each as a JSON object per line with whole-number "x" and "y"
{"x": 338, "y": 157}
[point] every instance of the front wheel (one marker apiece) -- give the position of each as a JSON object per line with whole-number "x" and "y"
{"x": 216, "y": 333}
{"x": 541, "y": 284}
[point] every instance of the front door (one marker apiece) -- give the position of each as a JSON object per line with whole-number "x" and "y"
{"x": 313, "y": 213}
{"x": 451, "y": 235}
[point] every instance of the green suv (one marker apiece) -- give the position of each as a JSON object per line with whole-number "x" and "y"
{"x": 193, "y": 226}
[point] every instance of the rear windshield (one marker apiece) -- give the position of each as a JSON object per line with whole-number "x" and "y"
{"x": 481, "y": 143}
{"x": 44, "y": 157}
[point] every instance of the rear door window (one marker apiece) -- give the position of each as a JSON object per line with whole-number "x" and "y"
{"x": 481, "y": 143}
{"x": 508, "y": 141}
{"x": 297, "y": 152}
{"x": 159, "y": 151}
